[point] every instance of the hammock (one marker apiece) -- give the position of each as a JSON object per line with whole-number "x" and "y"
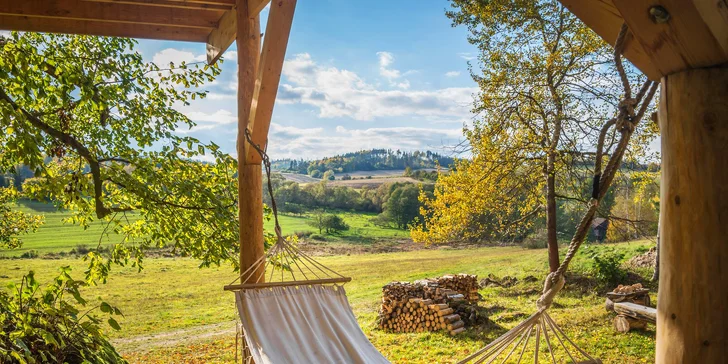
{"x": 301, "y": 313}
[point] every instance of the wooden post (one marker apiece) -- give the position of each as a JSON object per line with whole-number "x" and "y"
{"x": 692, "y": 318}
{"x": 250, "y": 191}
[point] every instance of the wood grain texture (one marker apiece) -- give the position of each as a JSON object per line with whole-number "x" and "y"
{"x": 683, "y": 42}
{"x": 52, "y": 10}
{"x": 129, "y": 30}
{"x": 270, "y": 67}
{"x": 223, "y": 36}
{"x": 692, "y": 318}
{"x": 250, "y": 184}
{"x": 604, "y": 18}
{"x": 636, "y": 311}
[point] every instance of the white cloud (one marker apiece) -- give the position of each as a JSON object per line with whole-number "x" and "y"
{"x": 466, "y": 56}
{"x": 386, "y": 59}
{"x": 293, "y": 142}
{"x": 208, "y": 120}
{"x": 342, "y": 93}
{"x": 452, "y": 74}
{"x": 165, "y": 56}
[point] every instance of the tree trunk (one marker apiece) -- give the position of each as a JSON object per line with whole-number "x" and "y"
{"x": 692, "y": 316}
{"x": 656, "y": 273}
{"x": 553, "y": 243}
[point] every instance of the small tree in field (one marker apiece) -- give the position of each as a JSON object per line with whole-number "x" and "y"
{"x": 317, "y": 221}
{"x": 334, "y": 224}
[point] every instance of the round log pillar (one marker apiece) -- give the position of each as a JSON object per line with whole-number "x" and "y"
{"x": 692, "y": 318}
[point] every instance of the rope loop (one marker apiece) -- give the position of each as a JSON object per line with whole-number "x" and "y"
{"x": 551, "y": 287}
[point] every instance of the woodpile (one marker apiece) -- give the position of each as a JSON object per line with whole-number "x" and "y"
{"x": 429, "y": 304}
{"x": 631, "y": 303}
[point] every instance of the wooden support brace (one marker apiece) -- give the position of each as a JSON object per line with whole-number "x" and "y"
{"x": 275, "y": 43}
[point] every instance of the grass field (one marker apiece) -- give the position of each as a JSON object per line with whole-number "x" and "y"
{"x": 56, "y": 236}
{"x": 175, "y": 312}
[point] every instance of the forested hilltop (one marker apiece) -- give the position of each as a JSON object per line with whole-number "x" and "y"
{"x": 365, "y": 160}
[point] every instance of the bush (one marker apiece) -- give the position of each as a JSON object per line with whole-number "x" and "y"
{"x": 318, "y": 237}
{"x": 315, "y": 174}
{"x": 346, "y": 177}
{"x": 30, "y": 254}
{"x": 42, "y": 326}
{"x": 329, "y": 175}
{"x": 606, "y": 265}
{"x": 535, "y": 240}
{"x": 302, "y": 234}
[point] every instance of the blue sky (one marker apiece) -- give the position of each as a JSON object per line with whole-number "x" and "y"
{"x": 358, "y": 75}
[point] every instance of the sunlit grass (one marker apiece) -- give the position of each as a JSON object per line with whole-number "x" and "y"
{"x": 173, "y": 294}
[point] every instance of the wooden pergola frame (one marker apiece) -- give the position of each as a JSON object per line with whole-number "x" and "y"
{"x": 683, "y": 43}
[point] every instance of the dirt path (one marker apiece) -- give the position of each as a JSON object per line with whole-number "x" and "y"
{"x": 144, "y": 343}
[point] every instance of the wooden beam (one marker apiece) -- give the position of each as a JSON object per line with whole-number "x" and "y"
{"x": 275, "y": 43}
{"x": 692, "y": 305}
{"x": 256, "y": 6}
{"x": 128, "y": 30}
{"x": 681, "y": 42}
{"x": 250, "y": 185}
{"x": 174, "y": 4}
{"x": 222, "y": 37}
{"x": 112, "y": 13}
{"x": 604, "y": 18}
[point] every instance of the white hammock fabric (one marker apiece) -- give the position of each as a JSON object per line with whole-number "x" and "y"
{"x": 303, "y": 324}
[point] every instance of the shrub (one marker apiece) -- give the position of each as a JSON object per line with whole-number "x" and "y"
{"x": 42, "y": 326}
{"x": 30, "y": 254}
{"x": 302, "y": 234}
{"x": 329, "y": 175}
{"x": 316, "y": 174}
{"x": 535, "y": 240}
{"x": 606, "y": 265}
{"x": 317, "y": 237}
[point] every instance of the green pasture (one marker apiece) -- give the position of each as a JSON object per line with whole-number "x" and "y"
{"x": 173, "y": 294}
{"x": 56, "y": 236}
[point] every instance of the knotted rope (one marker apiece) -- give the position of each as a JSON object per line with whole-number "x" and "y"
{"x": 630, "y": 111}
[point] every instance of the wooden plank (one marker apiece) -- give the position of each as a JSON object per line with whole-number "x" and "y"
{"x": 238, "y": 287}
{"x": 112, "y": 13}
{"x": 226, "y": 5}
{"x": 222, "y": 37}
{"x": 604, "y": 18}
{"x": 715, "y": 16}
{"x": 680, "y": 43}
{"x": 250, "y": 183}
{"x": 256, "y": 6}
{"x": 69, "y": 26}
{"x": 275, "y": 43}
{"x": 692, "y": 306}
{"x": 633, "y": 310}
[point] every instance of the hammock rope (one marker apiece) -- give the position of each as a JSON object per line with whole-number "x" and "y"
{"x": 630, "y": 111}
{"x": 283, "y": 256}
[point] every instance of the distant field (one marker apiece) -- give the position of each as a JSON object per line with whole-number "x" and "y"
{"x": 373, "y": 182}
{"x": 360, "y": 178}
{"x": 55, "y": 235}
{"x": 361, "y": 229}
{"x": 300, "y": 178}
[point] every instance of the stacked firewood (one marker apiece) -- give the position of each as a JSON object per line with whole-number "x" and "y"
{"x": 419, "y": 315}
{"x": 465, "y": 284}
{"x": 427, "y": 304}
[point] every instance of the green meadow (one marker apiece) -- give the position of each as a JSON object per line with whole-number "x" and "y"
{"x": 176, "y": 312}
